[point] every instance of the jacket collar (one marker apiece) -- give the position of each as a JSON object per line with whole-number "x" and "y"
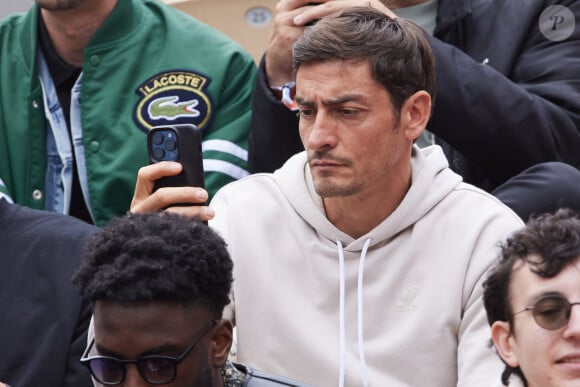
{"x": 122, "y": 21}
{"x": 29, "y": 36}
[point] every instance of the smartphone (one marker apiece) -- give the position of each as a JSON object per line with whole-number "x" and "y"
{"x": 181, "y": 143}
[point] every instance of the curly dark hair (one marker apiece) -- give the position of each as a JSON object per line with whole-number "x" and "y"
{"x": 148, "y": 257}
{"x": 547, "y": 243}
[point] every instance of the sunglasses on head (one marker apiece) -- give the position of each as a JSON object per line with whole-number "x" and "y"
{"x": 551, "y": 312}
{"x": 155, "y": 369}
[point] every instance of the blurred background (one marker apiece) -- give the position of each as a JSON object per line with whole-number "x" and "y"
{"x": 9, "y": 6}
{"x": 246, "y": 21}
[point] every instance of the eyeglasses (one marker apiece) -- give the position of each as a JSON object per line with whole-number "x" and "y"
{"x": 551, "y": 312}
{"x": 155, "y": 369}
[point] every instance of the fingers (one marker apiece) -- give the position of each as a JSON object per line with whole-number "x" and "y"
{"x": 279, "y": 50}
{"x": 147, "y": 175}
{"x": 288, "y": 10}
{"x": 198, "y": 212}
{"x": 168, "y": 198}
{"x": 289, "y": 5}
{"x": 300, "y": 12}
{"x": 291, "y": 18}
{"x": 308, "y": 14}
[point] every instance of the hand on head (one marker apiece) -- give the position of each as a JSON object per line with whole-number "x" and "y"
{"x": 291, "y": 18}
{"x": 166, "y": 198}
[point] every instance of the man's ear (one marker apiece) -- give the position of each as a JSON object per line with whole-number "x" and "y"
{"x": 504, "y": 342}
{"x": 222, "y": 339}
{"x": 415, "y": 114}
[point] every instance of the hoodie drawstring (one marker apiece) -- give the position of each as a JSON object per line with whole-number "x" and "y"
{"x": 342, "y": 342}
{"x": 360, "y": 322}
{"x": 361, "y": 350}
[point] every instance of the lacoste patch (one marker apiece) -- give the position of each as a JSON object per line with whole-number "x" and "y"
{"x": 174, "y": 97}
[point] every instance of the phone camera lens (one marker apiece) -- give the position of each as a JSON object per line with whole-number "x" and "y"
{"x": 170, "y": 145}
{"x": 158, "y": 153}
{"x": 157, "y": 138}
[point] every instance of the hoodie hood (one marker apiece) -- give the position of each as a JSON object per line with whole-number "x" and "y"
{"x": 431, "y": 181}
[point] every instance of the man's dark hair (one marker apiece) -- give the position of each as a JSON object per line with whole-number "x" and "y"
{"x": 548, "y": 243}
{"x": 397, "y": 50}
{"x": 149, "y": 257}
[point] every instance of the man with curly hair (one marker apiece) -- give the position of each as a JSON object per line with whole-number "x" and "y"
{"x": 158, "y": 285}
{"x": 530, "y": 298}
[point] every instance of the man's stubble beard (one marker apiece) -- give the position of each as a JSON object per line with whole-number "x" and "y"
{"x": 329, "y": 189}
{"x": 325, "y": 187}
{"x": 58, "y": 5}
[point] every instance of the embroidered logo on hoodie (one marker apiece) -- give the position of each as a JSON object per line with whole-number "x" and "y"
{"x": 406, "y": 299}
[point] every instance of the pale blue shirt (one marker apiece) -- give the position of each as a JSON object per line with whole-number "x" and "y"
{"x": 60, "y": 153}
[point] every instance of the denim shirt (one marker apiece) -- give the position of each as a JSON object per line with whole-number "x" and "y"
{"x": 60, "y": 153}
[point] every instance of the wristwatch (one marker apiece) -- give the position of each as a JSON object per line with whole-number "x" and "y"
{"x": 286, "y": 94}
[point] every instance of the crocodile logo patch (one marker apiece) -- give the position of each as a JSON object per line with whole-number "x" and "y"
{"x": 176, "y": 97}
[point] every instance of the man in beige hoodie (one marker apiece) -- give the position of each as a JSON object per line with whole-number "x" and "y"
{"x": 360, "y": 261}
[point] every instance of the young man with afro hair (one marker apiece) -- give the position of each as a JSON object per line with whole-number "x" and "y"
{"x": 158, "y": 284}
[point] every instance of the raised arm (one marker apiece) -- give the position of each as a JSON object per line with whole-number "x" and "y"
{"x": 274, "y": 134}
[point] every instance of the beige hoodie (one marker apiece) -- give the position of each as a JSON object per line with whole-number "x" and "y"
{"x": 400, "y": 306}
